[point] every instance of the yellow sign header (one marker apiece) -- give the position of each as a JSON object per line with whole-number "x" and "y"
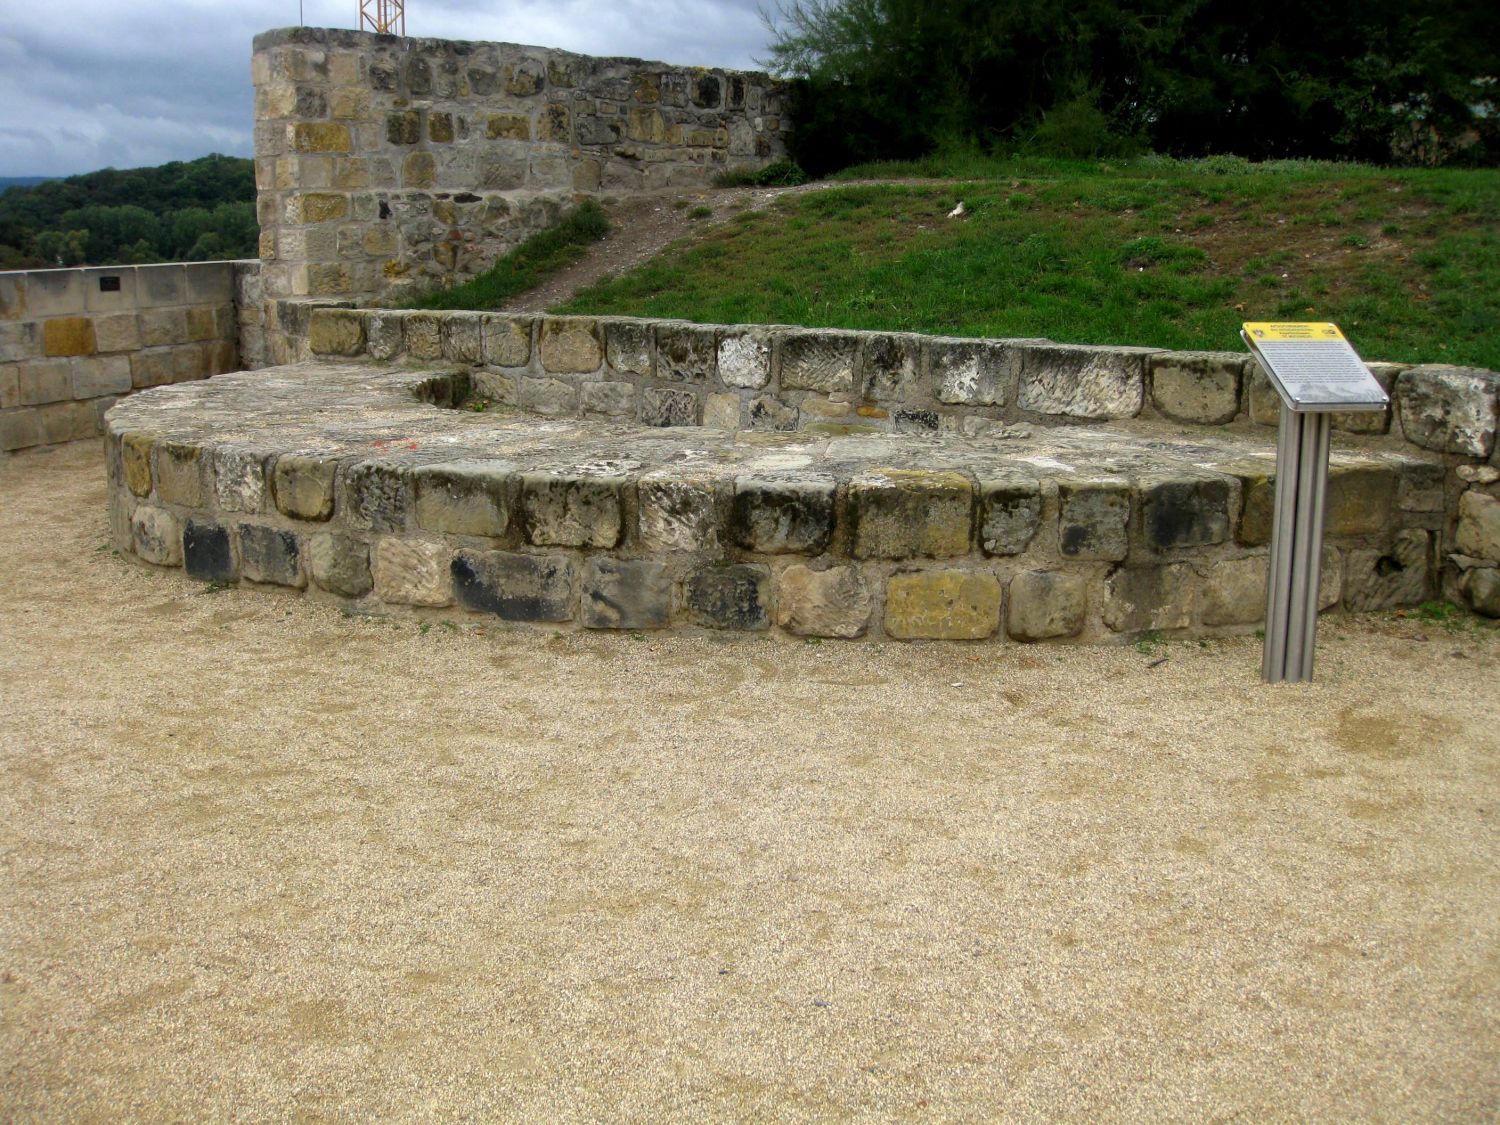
{"x": 1271, "y": 330}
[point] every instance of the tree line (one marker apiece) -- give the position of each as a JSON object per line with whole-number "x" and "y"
{"x": 1381, "y": 81}
{"x": 184, "y": 211}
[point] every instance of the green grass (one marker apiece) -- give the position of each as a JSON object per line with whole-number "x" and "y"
{"x": 528, "y": 265}
{"x": 1155, "y": 252}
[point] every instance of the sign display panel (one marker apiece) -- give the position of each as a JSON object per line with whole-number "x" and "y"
{"x": 1313, "y": 367}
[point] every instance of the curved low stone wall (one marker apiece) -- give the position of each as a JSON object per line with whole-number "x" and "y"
{"x": 387, "y": 487}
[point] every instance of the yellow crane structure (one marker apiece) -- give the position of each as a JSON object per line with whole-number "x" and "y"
{"x": 388, "y": 17}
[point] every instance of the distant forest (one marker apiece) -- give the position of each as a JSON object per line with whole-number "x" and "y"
{"x": 193, "y": 211}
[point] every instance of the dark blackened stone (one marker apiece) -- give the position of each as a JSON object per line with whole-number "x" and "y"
{"x": 466, "y": 197}
{"x": 730, "y": 597}
{"x": 418, "y": 76}
{"x": 1185, "y": 513}
{"x": 706, "y": 92}
{"x": 206, "y": 552}
{"x": 515, "y": 587}
{"x": 789, "y": 514}
{"x": 373, "y": 495}
{"x": 1093, "y": 518}
{"x": 404, "y": 128}
{"x": 270, "y": 554}
{"x": 915, "y": 421}
{"x": 736, "y": 93}
{"x": 620, "y": 594}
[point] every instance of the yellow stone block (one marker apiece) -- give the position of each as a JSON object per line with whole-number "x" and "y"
{"x": 947, "y": 605}
{"x": 419, "y": 170}
{"x": 135, "y": 458}
{"x": 321, "y": 136}
{"x": 508, "y": 126}
{"x": 68, "y": 335}
{"x": 318, "y": 207}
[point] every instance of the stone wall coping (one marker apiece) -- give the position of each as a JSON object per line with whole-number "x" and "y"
{"x": 352, "y": 40}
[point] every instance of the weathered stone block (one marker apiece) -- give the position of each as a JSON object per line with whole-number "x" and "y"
{"x": 239, "y": 478}
{"x": 783, "y": 513}
{"x": 321, "y": 136}
{"x": 1361, "y": 499}
{"x": 20, "y": 341}
{"x": 1093, "y": 519}
{"x": 612, "y": 400}
{"x": 625, "y": 594}
{"x": 768, "y": 413}
{"x": 905, "y": 513}
{"x": 721, "y": 412}
{"x": 68, "y": 336}
{"x": 340, "y": 563}
{"x": 336, "y": 332}
{"x": 45, "y": 381}
{"x": 410, "y": 572}
{"x": 424, "y": 336}
{"x": 744, "y": 359}
{"x": 1479, "y": 525}
{"x": 118, "y": 332}
{"x": 974, "y": 372}
{"x": 892, "y": 368}
{"x": 678, "y": 512}
{"x": 819, "y": 361}
{"x": 515, "y": 587}
{"x": 570, "y": 345}
{"x": 207, "y": 552}
{"x": 910, "y": 421}
{"x": 550, "y": 397}
{"x": 1199, "y": 387}
{"x": 630, "y": 346}
{"x": 163, "y": 327}
{"x": 1482, "y": 587}
{"x": 947, "y": 605}
{"x": 507, "y": 340}
{"x": 179, "y": 474}
{"x": 135, "y": 460}
{"x": 373, "y": 495}
{"x": 1081, "y": 382}
{"x": 1046, "y": 604}
{"x": 1235, "y": 592}
{"x": 685, "y": 353}
{"x": 1449, "y": 409}
{"x": 1184, "y": 513}
{"x": 270, "y": 555}
{"x": 573, "y": 508}
{"x": 463, "y": 338}
{"x": 20, "y": 429}
{"x": 1375, "y": 579}
{"x": 463, "y": 497}
{"x": 302, "y": 486}
{"x": 660, "y": 407}
{"x": 1150, "y": 597}
{"x": 99, "y": 376}
{"x": 384, "y": 335}
{"x": 1010, "y": 511}
{"x": 156, "y": 536}
{"x": 1370, "y": 421}
{"x": 823, "y": 603}
{"x": 730, "y": 597}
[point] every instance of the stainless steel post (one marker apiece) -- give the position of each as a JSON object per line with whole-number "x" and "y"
{"x": 1296, "y": 546}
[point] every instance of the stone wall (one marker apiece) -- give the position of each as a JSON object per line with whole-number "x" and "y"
{"x": 823, "y": 381}
{"x": 73, "y": 341}
{"x": 390, "y": 162}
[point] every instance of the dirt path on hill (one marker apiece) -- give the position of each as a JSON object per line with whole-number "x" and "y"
{"x": 261, "y": 861}
{"x": 642, "y": 226}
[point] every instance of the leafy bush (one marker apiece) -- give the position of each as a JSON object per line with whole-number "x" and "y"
{"x": 783, "y": 173}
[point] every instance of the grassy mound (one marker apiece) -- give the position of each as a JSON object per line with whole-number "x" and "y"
{"x": 1155, "y": 252}
{"x": 528, "y": 265}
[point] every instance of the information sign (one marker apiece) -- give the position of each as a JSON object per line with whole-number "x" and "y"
{"x": 1313, "y": 368}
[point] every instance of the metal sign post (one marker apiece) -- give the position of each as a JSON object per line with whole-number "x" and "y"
{"x": 1315, "y": 373}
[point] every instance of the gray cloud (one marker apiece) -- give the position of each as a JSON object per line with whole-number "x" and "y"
{"x": 88, "y": 84}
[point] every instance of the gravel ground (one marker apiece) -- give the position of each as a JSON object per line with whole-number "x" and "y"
{"x": 264, "y": 861}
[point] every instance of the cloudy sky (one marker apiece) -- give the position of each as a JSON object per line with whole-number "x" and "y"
{"x": 87, "y": 84}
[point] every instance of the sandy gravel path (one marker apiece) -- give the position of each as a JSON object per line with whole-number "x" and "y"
{"x": 262, "y": 861}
